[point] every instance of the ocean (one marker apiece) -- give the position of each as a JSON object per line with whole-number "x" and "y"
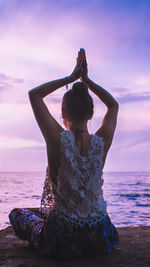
{"x": 127, "y": 195}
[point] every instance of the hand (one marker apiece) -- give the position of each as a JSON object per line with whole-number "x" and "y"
{"x": 84, "y": 70}
{"x": 76, "y": 74}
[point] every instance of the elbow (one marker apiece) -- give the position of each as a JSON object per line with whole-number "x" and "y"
{"x": 35, "y": 93}
{"x": 32, "y": 93}
{"x": 29, "y": 93}
{"x": 116, "y": 104}
{"x": 113, "y": 105}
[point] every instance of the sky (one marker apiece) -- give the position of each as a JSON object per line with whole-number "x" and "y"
{"x": 39, "y": 42}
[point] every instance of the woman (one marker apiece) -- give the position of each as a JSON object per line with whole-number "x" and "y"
{"x": 73, "y": 219}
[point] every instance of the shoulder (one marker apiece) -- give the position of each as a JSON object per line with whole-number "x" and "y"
{"x": 65, "y": 134}
{"x": 101, "y": 143}
{"x": 66, "y": 137}
{"x": 108, "y": 126}
{"x": 97, "y": 145}
{"x": 60, "y": 138}
{"x": 98, "y": 139}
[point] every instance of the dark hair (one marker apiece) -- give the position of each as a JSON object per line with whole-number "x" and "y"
{"x": 77, "y": 103}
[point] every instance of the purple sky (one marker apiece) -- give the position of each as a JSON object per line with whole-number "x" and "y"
{"x": 40, "y": 41}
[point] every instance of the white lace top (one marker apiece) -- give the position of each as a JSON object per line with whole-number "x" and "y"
{"x": 78, "y": 193}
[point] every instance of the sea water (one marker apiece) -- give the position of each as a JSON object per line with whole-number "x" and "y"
{"x": 127, "y": 195}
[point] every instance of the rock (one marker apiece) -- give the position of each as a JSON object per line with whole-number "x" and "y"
{"x": 133, "y": 251}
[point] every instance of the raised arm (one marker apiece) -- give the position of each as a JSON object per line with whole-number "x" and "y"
{"x": 108, "y": 126}
{"x": 50, "y": 128}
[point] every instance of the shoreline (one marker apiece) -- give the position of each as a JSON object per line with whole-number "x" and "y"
{"x": 133, "y": 250}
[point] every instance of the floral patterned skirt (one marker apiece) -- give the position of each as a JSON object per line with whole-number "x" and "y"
{"x": 57, "y": 238}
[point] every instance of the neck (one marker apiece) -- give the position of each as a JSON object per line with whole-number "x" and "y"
{"x": 82, "y": 127}
{"x": 78, "y": 129}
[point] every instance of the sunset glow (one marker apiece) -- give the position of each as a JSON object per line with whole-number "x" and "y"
{"x": 40, "y": 41}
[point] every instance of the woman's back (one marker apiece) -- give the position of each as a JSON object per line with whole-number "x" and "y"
{"x": 78, "y": 192}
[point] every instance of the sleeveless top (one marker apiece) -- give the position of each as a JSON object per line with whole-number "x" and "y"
{"x": 78, "y": 194}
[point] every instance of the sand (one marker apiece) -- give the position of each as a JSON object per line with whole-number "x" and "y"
{"x": 133, "y": 250}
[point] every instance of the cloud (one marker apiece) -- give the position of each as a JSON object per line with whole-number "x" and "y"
{"x": 143, "y": 81}
{"x": 50, "y": 33}
{"x": 18, "y": 143}
{"x": 121, "y": 90}
{"x": 125, "y": 95}
{"x": 17, "y": 121}
{"x": 131, "y": 137}
{"x": 133, "y": 97}
{"x": 23, "y": 159}
{"x": 7, "y": 82}
{"x": 5, "y": 78}
{"x": 12, "y": 90}
{"x": 39, "y": 43}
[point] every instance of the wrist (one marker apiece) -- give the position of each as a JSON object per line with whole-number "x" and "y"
{"x": 66, "y": 82}
{"x": 70, "y": 79}
{"x": 86, "y": 79}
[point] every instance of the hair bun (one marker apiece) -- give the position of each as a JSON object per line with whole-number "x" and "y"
{"x": 80, "y": 88}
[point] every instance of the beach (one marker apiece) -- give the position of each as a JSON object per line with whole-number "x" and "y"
{"x": 132, "y": 251}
